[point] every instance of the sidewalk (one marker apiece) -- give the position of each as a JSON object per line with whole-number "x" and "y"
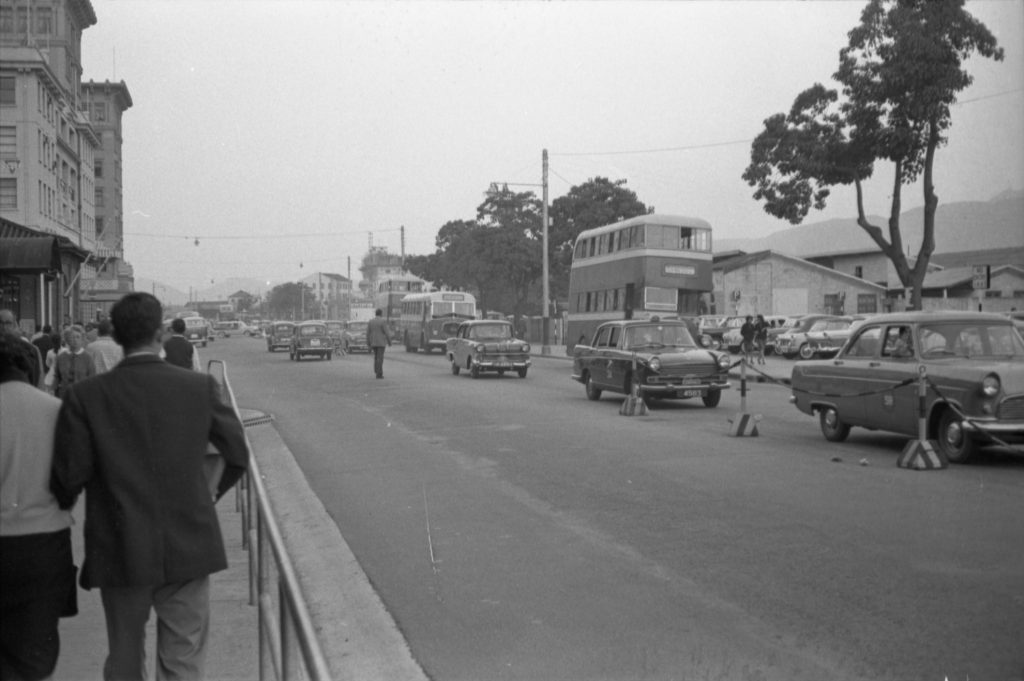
{"x": 233, "y": 653}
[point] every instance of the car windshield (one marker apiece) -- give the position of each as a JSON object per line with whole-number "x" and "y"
{"x": 193, "y": 323}
{"x": 658, "y": 336}
{"x": 970, "y": 339}
{"x": 490, "y": 331}
{"x": 283, "y": 328}
{"x": 313, "y": 330}
{"x": 357, "y": 327}
{"x": 334, "y": 326}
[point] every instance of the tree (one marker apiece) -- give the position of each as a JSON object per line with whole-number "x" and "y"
{"x": 511, "y": 243}
{"x": 287, "y": 300}
{"x": 900, "y": 73}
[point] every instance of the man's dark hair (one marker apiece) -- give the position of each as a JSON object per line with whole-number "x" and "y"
{"x": 137, "y": 318}
{"x": 16, "y": 357}
{"x": 178, "y": 325}
{"x": 104, "y": 327}
{"x": 379, "y": 312}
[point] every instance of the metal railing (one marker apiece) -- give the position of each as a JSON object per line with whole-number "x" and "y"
{"x": 288, "y": 646}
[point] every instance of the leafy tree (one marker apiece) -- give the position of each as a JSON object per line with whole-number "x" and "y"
{"x": 900, "y": 73}
{"x": 286, "y": 300}
{"x": 595, "y": 203}
{"x": 511, "y": 245}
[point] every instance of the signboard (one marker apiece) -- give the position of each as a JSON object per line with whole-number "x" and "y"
{"x": 981, "y": 277}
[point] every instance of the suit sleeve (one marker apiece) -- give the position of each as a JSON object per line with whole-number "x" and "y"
{"x": 73, "y": 456}
{"x": 228, "y": 435}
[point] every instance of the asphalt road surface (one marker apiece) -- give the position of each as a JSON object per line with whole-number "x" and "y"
{"x": 516, "y": 530}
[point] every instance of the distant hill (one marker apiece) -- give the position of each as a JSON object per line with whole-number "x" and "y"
{"x": 959, "y": 227}
{"x": 219, "y": 291}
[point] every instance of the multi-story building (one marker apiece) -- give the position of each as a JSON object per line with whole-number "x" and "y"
{"x": 332, "y": 293}
{"x": 111, "y": 276}
{"x": 49, "y": 146}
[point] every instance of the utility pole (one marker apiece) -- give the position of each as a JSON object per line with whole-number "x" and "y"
{"x": 545, "y": 348}
{"x": 403, "y": 246}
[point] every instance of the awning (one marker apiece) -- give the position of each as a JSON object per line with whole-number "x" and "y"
{"x": 27, "y": 255}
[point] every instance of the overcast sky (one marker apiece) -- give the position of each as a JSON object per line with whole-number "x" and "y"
{"x": 282, "y": 134}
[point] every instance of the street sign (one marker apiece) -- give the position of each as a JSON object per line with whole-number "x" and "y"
{"x": 981, "y": 276}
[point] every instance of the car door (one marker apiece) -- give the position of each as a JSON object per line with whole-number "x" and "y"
{"x": 847, "y": 380}
{"x": 599, "y": 364}
{"x": 899, "y": 361}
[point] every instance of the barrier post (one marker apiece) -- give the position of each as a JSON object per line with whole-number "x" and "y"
{"x": 744, "y": 423}
{"x": 922, "y": 454}
{"x": 634, "y": 404}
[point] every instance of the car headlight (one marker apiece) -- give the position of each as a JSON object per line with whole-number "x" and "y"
{"x": 478, "y": 349}
{"x": 654, "y": 364}
{"x": 526, "y": 347}
{"x": 990, "y": 385}
{"x": 724, "y": 362}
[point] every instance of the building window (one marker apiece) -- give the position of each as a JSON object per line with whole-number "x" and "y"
{"x": 44, "y": 20}
{"x": 100, "y": 203}
{"x": 7, "y": 91}
{"x": 99, "y": 227}
{"x": 867, "y": 303}
{"x": 99, "y": 112}
{"x": 97, "y": 168}
{"x": 6, "y": 20}
{"x": 858, "y": 272}
{"x": 8, "y": 141}
{"x": 8, "y": 193}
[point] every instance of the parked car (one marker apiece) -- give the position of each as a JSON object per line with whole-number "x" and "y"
{"x": 311, "y": 338}
{"x": 788, "y": 343}
{"x": 355, "y": 337}
{"x": 716, "y": 331}
{"x": 197, "y": 330}
{"x": 225, "y": 329}
{"x": 279, "y": 335}
{"x": 336, "y": 330}
{"x": 973, "y": 363}
{"x": 783, "y": 324}
{"x": 669, "y": 362}
{"x": 1018, "y": 319}
{"x": 828, "y": 335}
{"x": 481, "y": 345}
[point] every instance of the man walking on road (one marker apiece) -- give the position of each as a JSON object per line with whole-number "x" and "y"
{"x": 377, "y": 336}
{"x": 135, "y": 439}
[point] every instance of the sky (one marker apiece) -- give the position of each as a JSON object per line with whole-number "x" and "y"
{"x": 287, "y": 135}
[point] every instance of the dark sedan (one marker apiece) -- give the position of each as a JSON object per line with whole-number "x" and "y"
{"x": 974, "y": 368}
{"x": 660, "y": 356}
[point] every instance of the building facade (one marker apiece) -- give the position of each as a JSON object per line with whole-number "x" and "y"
{"x": 332, "y": 293}
{"x": 49, "y": 146}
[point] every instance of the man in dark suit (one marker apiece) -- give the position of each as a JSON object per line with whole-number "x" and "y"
{"x": 135, "y": 438}
{"x": 378, "y": 336}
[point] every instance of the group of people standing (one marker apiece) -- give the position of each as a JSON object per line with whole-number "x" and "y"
{"x": 754, "y": 335}
{"x": 131, "y": 431}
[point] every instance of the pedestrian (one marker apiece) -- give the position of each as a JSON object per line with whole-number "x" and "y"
{"x": 44, "y": 341}
{"x": 134, "y": 439}
{"x": 74, "y": 365}
{"x": 105, "y": 351}
{"x": 760, "y": 337}
{"x": 377, "y": 336}
{"x": 178, "y": 350}
{"x": 9, "y": 323}
{"x": 747, "y": 335}
{"x": 37, "y": 575}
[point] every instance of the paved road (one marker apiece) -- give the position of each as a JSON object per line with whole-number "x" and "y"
{"x": 516, "y": 530}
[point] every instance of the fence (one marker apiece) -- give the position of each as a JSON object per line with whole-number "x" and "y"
{"x": 288, "y": 646}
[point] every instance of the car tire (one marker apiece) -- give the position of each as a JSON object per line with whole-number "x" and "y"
{"x": 806, "y": 351}
{"x": 593, "y": 392}
{"x": 329, "y": 356}
{"x": 832, "y": 427}
{"x": 522, "y": 372}
{"x": 455, "y": 367}
{"x": 474, "y": 371}
{"x": 712, "y": 398}
{"x": 958, "y": 445}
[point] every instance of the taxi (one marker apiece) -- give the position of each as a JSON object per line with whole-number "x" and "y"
{"x": 311, "y": 338}
{"x": 973, "y": 364}
{"x": 661, "y": 358}
{"x": 481, "y": 345}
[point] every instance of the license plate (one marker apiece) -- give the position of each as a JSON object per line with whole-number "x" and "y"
{"x": 692, "y": 393}
{"x": 503, "y": 365}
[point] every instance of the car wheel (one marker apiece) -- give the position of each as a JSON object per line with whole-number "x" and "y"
{"x": 474, "y": 371}
{"x": 806, "y": 351}
{"x": 522, "y": 372}
{"x": 424, "y": 346}
{"x": 712, "y": 398}
{"x": 329, "y": 355}
{"x": 956, "y": 443}
{"x": 833, "y": 427}
{"x": 204, "y": 344}
{"x": 593, "y": 392}
{"x": 455, "y": 367}
{"x": 501, "y": 372}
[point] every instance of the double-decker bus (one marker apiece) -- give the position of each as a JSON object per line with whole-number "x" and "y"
{"x": 429, "y": 319}
{"x": 640, "y": 267}
{"x": 389, "y": 293}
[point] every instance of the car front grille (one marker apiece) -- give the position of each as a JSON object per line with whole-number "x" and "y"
{"x": 1011, "y": 408}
